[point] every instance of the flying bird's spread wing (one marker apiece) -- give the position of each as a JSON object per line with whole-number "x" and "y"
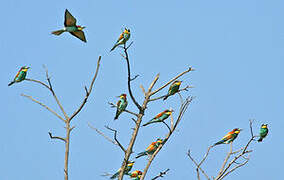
{"x": 69, "y": 19}
{"x": 80, "y": 35}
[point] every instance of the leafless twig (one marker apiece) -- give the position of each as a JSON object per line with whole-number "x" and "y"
{"x": 162, "y": 173}
{"x": 115, "y": 138}
{"x": 56, "y": 137}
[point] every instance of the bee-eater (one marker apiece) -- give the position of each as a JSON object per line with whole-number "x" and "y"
{"x": 173, "y": 88}
{"x": 21, "y": 75}
{"x": 126, "y": 170}
{"x": 71, "y": 27}
{"x": 151, "y": 149}
{"x": 263, "y": 132}
{"x": 160, "y": 117}
{"x": 135, "y": 175}
{"x": 230, "y": 137}
{"x": 123, "y": 38}
{"x": 121, "y": 105}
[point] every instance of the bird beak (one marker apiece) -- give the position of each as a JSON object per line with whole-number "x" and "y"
{"x": 240, "y": 129}
{"x": 83, "y": 27}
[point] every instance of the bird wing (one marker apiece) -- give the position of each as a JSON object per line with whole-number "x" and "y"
{"x": 159, "y": 115}
{"x": 227, "y": 136}
{"x": 118, "y": 103}
{"x": 18, "y": 73}
{"x": 80, "y": 35}
{"x": 120, "y": 37}
{"x": 69, "y": 19}
{"x": 151, "y": 147}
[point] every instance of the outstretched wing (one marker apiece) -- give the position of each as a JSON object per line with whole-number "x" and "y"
{"x": 80, "y": 35}
{"x": 69, "y": 19}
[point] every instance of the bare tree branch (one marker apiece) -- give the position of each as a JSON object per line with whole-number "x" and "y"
{"x": 54, "y": 95}
{"x": 162, "y": 173}
{"x": 126, "y": 57}
{"x": 102, "y": 134}
{"x": 183, "y": 89}
{"x": 169, "y": 82}
{"x": 183, "y": 108}
{"x": 56, "y": 137}
{"x": 198, "y": 166}
{"x": 87, "y": 92}
{"x": 43, "y": 105}
{"x": 115, "y": 138}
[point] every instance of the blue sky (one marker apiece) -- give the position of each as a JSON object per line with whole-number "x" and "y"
{"x": 236, "y": 48}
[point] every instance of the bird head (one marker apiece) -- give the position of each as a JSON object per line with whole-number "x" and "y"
{"x": 122, "y": 96}
{"x": 177, "y": 82}
{"x": 159, "y": 140}
{"x": 80, "y": 28}
{"x": 169, "y": 111}
{"x": 264, "y": 126}
{"x": 237, "y": 130}
{"x": 127, "y": 31}
{"x": 25, "y": 68}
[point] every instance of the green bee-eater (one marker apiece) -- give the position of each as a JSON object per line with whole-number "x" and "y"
{"x": 230, "y": 137}
{"x": 173, "y": 89}
{"x": 126, "y": 170}
{"x": 160, "y": 117}
{"x": 121, "y": 105}
{"x": 123, "y": 38}
{"x": 263, "y": 132}
{"x": 135, "y": 175}
{"x": 151, "y": 149}
{"x": 71, "y": 27}
{"x": 21, "y": 75}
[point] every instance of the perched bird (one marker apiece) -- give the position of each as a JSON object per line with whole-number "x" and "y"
{"x": 151, "y": 149}
{"x": 121, "y": 105}
{"x": 135, "y": 175}
{"x": 126, "y": 170}
{"x": 123, "y": 38}
{"x": 71, "y": 27}
{"x": 160, "y": 117}
{"x": 21, "y": 75}
{"x": 230, "y": 137}
{"x": 263, "y": 132}
{"x": 173, "y": 89}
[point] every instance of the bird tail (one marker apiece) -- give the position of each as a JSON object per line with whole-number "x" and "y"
{"x": 113, "y": 47}
{"x": 166, "y": 97}
{"x": 116, "y": 115}
{"x": 219, "y": 142}
{"x": 141, "y": 154}
{"x": 114, "y": 176}
{"x": 11, "y": 83}
{"x": 57, "y": 33}
{"x": 260, "y": 139}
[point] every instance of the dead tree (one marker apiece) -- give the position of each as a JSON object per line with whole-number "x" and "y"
{"x": 65, "y": 118}
{"x": 141, "y": 107}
